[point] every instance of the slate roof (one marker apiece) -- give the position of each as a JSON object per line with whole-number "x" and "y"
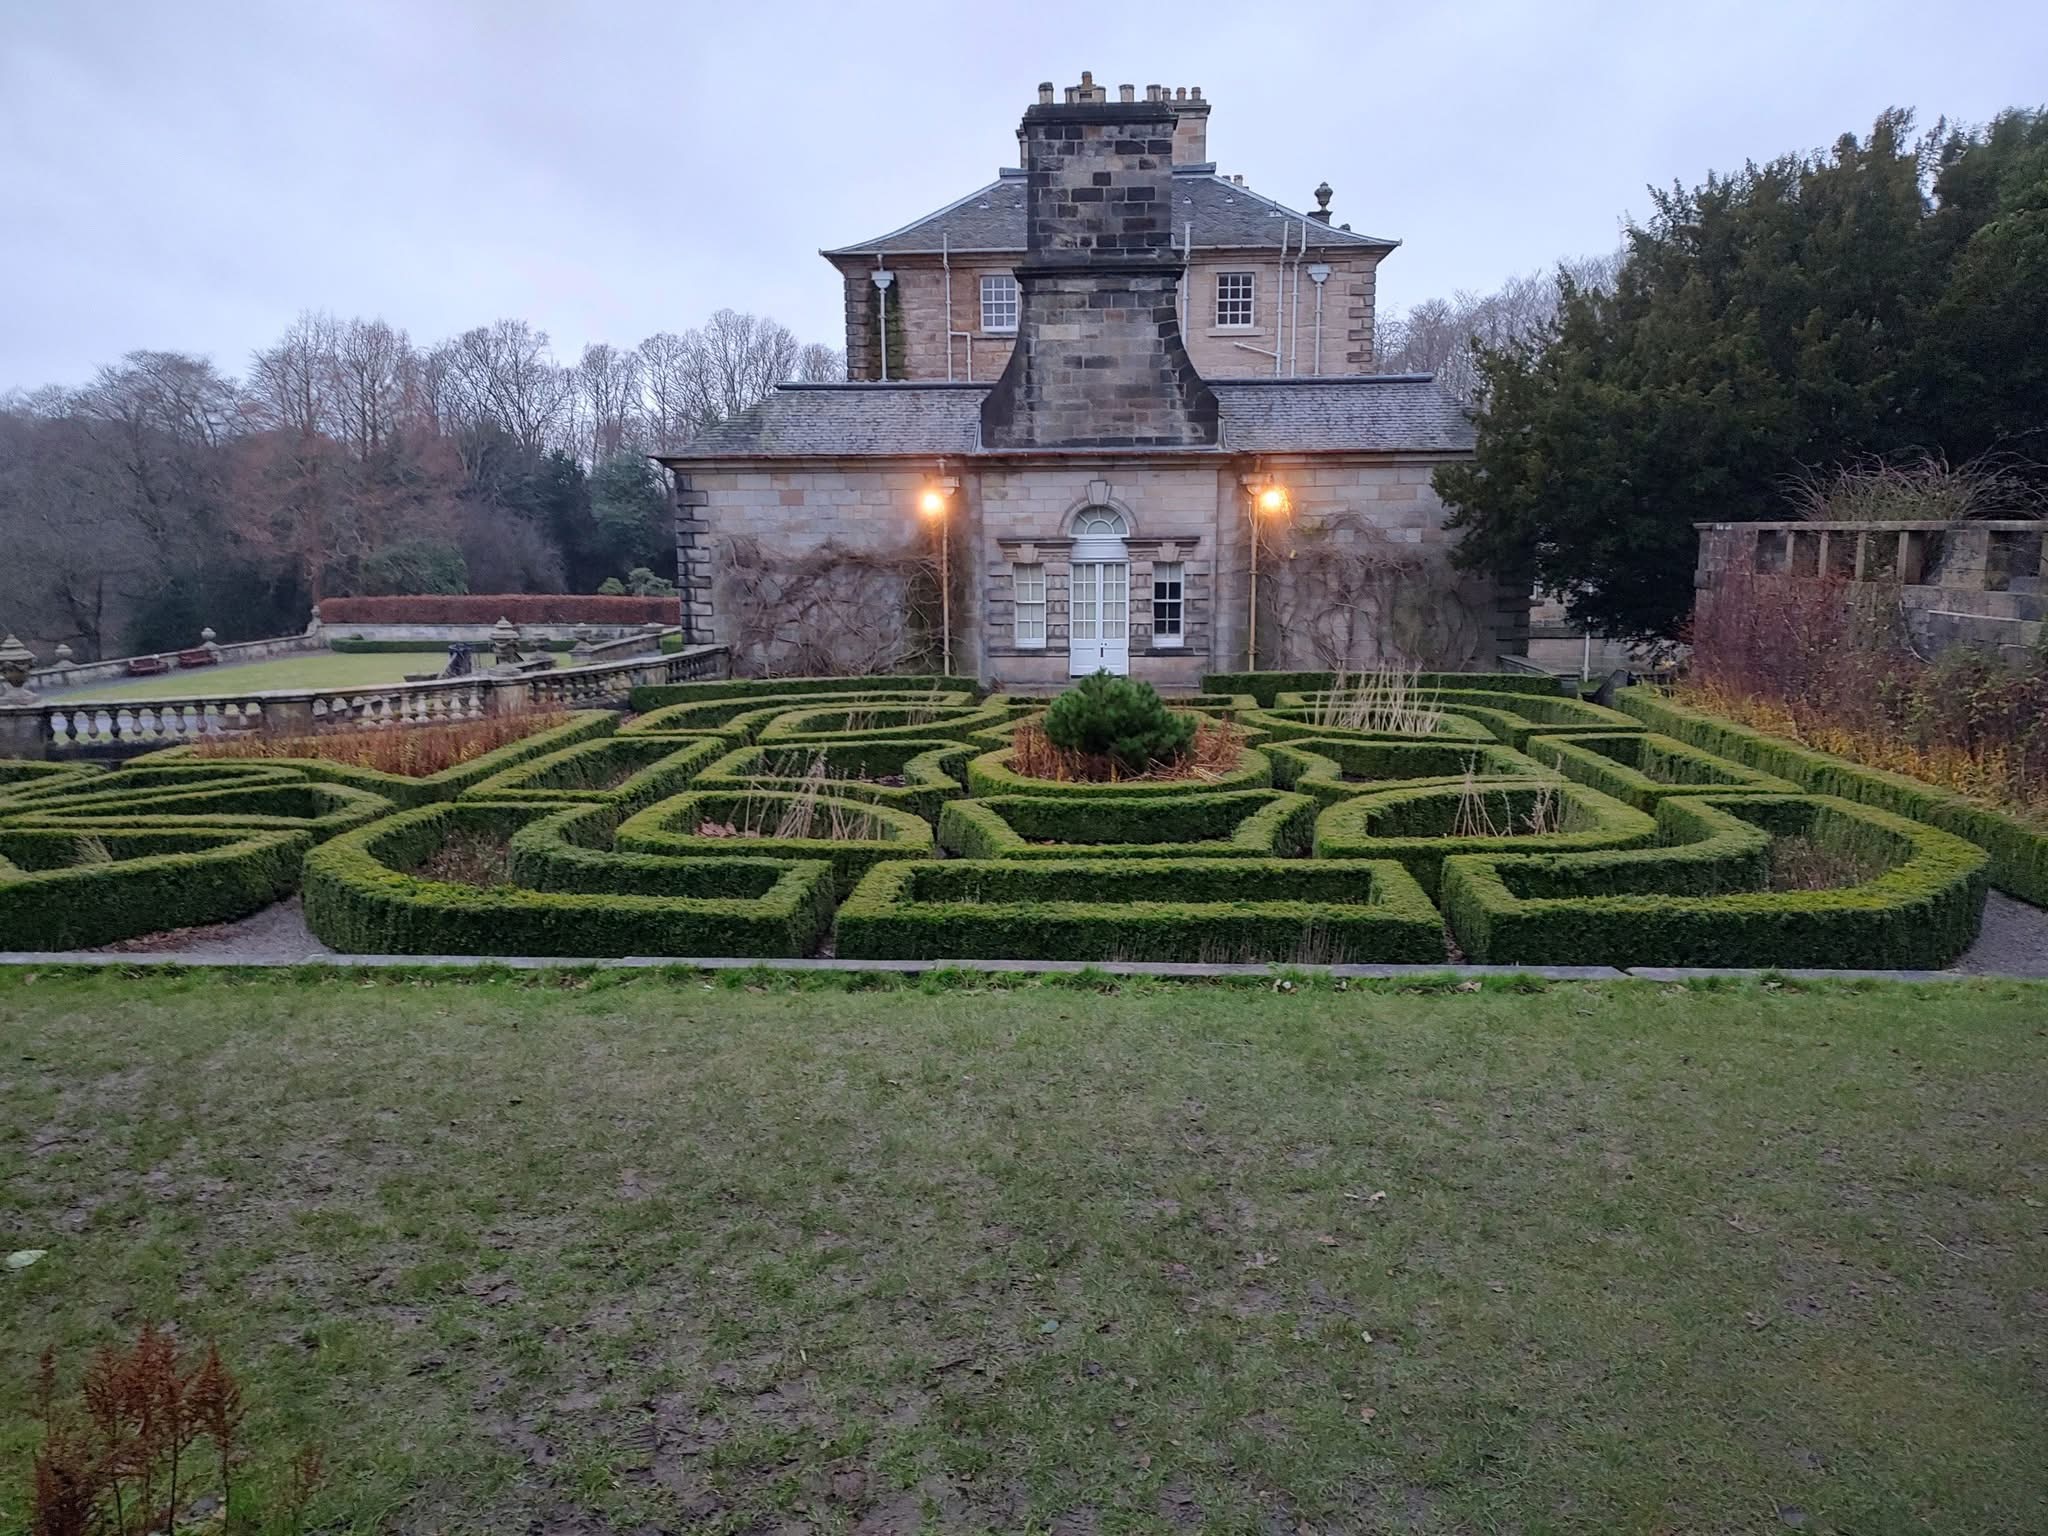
{"x": 1224, "y": 215}
{"x": 1373, "y": 413}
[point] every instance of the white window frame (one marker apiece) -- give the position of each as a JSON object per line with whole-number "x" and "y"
{"x": 1007, "y": 298}
{"x": 1178, "y": 602}
{"x": 1027, "y": 594}
{"x": 1248, "y": 298}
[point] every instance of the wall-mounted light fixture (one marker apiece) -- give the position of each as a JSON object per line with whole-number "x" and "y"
{"x": 934, "y": 501}
{"x": 1270, "y": 502}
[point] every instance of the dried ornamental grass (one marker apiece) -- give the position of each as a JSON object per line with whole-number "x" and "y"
{"x": 410, "y": 751}
{"x": 1216, "y": 749}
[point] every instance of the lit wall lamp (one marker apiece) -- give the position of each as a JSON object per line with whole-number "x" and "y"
{"x": 934, "y": 502}
{"x": 882, "y": 280}
{"x": 1270, "y": 503}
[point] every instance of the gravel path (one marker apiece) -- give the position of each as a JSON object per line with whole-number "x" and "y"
{"x": 275, "y": 933}
{"x": 2014, "y": 941}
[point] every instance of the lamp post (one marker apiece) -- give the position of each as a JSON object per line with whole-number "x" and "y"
{"x": 933, "y": 502}
{"x": 1269, "y": 499}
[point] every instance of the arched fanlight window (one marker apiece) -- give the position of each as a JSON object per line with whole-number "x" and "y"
{"x": 1100, "y": 523}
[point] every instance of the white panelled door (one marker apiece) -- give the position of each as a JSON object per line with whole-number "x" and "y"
{"x": 1099, "y": 618}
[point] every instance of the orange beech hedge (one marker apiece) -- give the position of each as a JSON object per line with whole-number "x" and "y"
{"x": 519, "y": 607}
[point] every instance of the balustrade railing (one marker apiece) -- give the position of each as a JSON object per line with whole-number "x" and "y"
{"x": 60, "y": 729}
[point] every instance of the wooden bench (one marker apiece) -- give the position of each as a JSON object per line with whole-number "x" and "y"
{"x": 198, "y": 656}
{"x": 147, "y": 666}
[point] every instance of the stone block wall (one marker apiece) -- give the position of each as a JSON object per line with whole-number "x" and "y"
{"x": 1376, "y": 515}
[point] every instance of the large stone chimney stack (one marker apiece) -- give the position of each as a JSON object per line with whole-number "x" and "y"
{"x": 1099, "y": 361}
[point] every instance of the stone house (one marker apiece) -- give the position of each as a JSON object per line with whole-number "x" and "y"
{"x": 1083, "y": 439}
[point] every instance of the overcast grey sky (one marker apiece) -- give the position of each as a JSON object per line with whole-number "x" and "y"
{"x": 190, "y": 174}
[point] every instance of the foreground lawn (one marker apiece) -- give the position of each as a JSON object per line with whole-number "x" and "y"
{"x": 316, "y": 669}
{"x": 644, "y": 1254}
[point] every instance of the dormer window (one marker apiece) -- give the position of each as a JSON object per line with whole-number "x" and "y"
{"x": 1233, "y": 300}
{"x": 999, "y": 302}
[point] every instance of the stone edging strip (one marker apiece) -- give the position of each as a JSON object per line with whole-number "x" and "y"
{"x": 1186, "y": 971}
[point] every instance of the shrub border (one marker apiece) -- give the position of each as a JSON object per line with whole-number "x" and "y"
{"x": 1275, "y": 824}
{"x": 667, "y": 773}
{"x": 200, "y": 876}
{"x": 653, "y": 696}
{"x": 1921, "y": 913}
{"x": 850, "y": 858}
{"x": 1341, "y": 831}
{"x": 1578, "y": 759}
{"x": 2019, "y": 853}
{"x": 1299, "y": 766}
{"x": 358, "y": 903}
{"x": 1394, "y": 924}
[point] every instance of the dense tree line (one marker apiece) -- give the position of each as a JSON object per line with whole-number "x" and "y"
{"x": 1887, "y": 298}
{"x": 168, "y": 495}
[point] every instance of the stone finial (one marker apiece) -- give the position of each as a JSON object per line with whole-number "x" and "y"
{"x": 64, "y": 654}
{"x": 16, "y": 662}
{"x": 1322, "y": 209}
{"x": 208, "y": 635}
{"x": 505, "y": 642}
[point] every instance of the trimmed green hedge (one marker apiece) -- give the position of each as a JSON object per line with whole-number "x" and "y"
{"x": 885, "y": 721}
{"x": 362, "y": 898}
{"x": 1418, "y": 826}
{"x": 1254, "y": 823}
{"x": 930, "y": 772}
{"x": 1265, "y": 686}
{"x": 319, "y": 810}
{"x": 21, "y": 777}
{"x": 152, "y": 776}
{"x": 652, "y": 696}
{"x": 1294, "y": 722}
{"x": 881, "y": 831}
{"x": 74, "y": 888}
{"x": 1336, "y": 768}
{"x": 1515, "y": 718}
{"x": 741, "y": 720}
{"x": 991, "y": 774}
{"x": 426, "y": 790}
{"x": 622, "y": 770}
{"x": 1140, "y": 909}
{"x": 1684, "y": 905}
{"x": 2019, "y": 852}
{"x": 1640, "y": 769}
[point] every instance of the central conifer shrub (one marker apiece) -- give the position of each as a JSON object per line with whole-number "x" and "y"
{"x": 1121, "y": 720}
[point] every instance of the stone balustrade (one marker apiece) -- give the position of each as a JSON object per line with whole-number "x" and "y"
{"x": 31, "y": 728}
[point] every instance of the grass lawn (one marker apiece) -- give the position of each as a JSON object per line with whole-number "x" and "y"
{"x": 638, "y": 1253}
{"x": 315, "y": 669}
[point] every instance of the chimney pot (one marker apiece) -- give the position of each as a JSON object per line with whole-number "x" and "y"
{"x": 1127, "y": 93}
{"x": 1180, "y": 93}
{"x": 1045, "y": 93}
{"x": 1151, "y": 93}
{"x": 1195, "y": 92}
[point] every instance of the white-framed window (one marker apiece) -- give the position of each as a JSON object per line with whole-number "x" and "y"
{"x": 1028, "y": 593}
{"x": 1234, "y": 299}
{"x": 1169, "y": 602}
{"x": 998, "y": 302}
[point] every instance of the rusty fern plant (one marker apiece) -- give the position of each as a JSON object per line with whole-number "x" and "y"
{"x": 127, "y": 1456}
